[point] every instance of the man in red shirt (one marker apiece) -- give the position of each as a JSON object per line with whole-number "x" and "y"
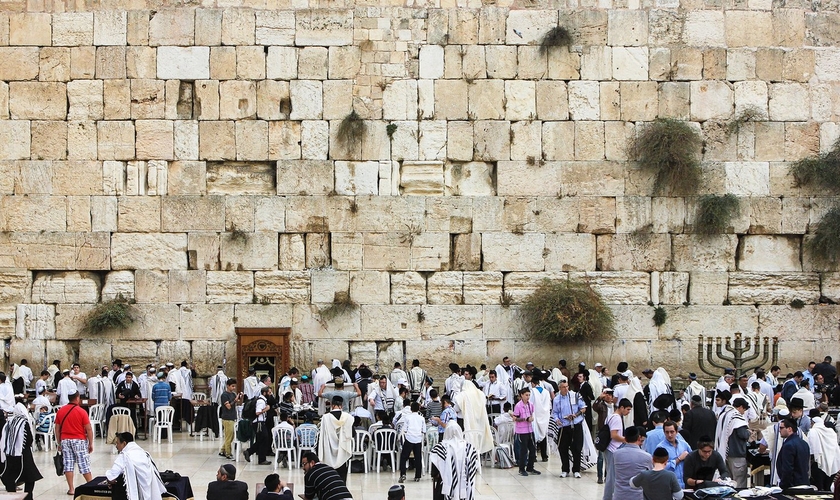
{"x": 75, "y": 436}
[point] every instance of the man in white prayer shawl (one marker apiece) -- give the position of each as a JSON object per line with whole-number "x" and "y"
{"x": 826, "y": 453}
{"x": 336, "y": 438}
{"x": 695, "y": 388}
{"x": 542, "y": 401}
{"x": 217, "y": 383}
{"x": 140, "y": 476}
{"x": 771, "y": 443}
{"x": 659, "y": 384}
{"x": 503, "y": 377}
{"x": 454, "y": 464}
{"x": 320, "y": 376}
{"x": 472, "y": 403}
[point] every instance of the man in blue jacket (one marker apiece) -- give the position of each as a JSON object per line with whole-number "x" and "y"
{"x": 794, "y": 460}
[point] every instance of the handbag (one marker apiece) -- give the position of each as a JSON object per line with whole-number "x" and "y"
{"x": 58, "y": 461}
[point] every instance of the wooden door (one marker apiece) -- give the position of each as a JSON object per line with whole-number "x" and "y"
{"x": 265, "y": 349}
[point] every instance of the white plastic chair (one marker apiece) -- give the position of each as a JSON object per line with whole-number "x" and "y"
{"x": 163, "y": 420}
{"x": 307, "y": 439}
{"x": 97, "y": 417}
{"x": 199, "y": 396}
{"x": 385, "y": 443}
{"x": 362, "y": 447}
{"x": 429, "y": 441}
{"x": 120, "y": 410}
{"x": 284, "y": 441}
{"x": 236, "y": 444}
{"x": 49, "y": 434}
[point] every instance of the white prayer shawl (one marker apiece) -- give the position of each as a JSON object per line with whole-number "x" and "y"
{"x": 336, "y": 439}
{"x": 250, "y": 387}
{"x": 108, "y": 396}
{"x": 142, "y": 479}
{"x": 457, "y": 462}
{"x": 416, "y": 378}
{"x": 542, "y": 411}
{"x": 321, "y": 376}
{"x": 595, "y": 382}
{"x": 503, "y": 378}
{"x": 725, "y": 426}
{"x": 824, "y": 448}
{"x": 187, "y": 387}
{"x": 175, "y": 377}
{"x": 217, "y": 386}
{"x": 696, "y": 389}
{"x": 14, "y": 433}
{"x": 471, "y": 401}
{"x": 557, "y": 376}
{"x": 396, "y": 375}
{"x": 659, "y": 384}
{"x": 634, "y": 388}
{"x": 774, "y": 446}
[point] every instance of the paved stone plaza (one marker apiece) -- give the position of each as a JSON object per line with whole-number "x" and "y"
{"x": 199, "y": 461}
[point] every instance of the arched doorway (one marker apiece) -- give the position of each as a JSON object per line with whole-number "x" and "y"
{"x": 264, "y": 349}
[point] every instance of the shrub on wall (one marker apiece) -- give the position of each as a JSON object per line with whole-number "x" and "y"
{"x": 714, "y": 213}
{"x": 557, "y": 36}
{"x": 566, "y": 311}
{"x": 819, "y": 171}
{"x": 670, "y": 149}
{"x": 108, "y": 316}
{"x": 824, "y": 246}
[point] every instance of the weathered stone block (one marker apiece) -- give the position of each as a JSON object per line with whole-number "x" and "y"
{"x": 236, "y": 287}
{"x": 30, "y": 28}
{"x": 673, "y": 288}
{"x": 513, "y": 252}
{"x": 109, "y": 28}
{"x": 527, "y": 27}
{"x": 188, "y": 286}
{"x": 370, "y": 287}
{"x": 789, "y": 102}
{"x": 38, "y": 100}
{"x": 704, "y": 253}
{"x": 773, "y": 288}
{"x": 304, "y": 177}
{"x": 711, "y": 100}
{"x": 35, "y": 321}
{"x": 207, "y": 321}
{"x": 183, "y": 63}
{"x": 705, "y": 28}
{"x": 171, "y": 27}
{"x": 284, "y": 287}
{"x": 324, "y": 27}
{"x": 119, "y": 285}
{"x": 522, "y": 178}
{"x": 634, "y": 251}
{"x": 518, "y": 286}
{"x": 259, "y": 315}
{"x": 769, "y": 253}
{"x": 189, "y": 213}
{"x": 148, "y": 251}
{"x": 356, "y": 178}
{"x": 569, "y": 252}
{"x": 275, "y": 27}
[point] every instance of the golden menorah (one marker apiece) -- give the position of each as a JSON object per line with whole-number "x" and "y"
{"x": 740, "y": 356}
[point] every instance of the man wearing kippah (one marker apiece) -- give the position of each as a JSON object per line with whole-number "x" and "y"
{"x": 658, "y": 483}
{"x": 226, "y": 487}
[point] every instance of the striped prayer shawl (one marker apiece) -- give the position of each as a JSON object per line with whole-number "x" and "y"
{"x": 13, "y": 437}
{"x": 457, "y": 463}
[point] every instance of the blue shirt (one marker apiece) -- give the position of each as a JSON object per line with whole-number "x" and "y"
{"x": 447, "y": 415}
{"x": 673, "y": 452}
{"x": 569, "y": 404}
{"x": 161, "y": 394}
{"x": 653, "y": 439}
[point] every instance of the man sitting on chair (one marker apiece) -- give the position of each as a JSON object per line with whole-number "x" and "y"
{"x": 134, "y": 475}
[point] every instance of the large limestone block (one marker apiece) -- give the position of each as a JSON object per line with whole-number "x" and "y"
{"x": 789, "y": 102}
{"x": 346, "y": 250}
{"x": 85, "y": 100}
{"x": 433, "y": 141}
{"x": 32, "y": 351}
{"x": 708, "y": 287}
{"x": 630, "y": 63}
{"x": 408, "y": 288}
{"x": 673, "y": 288}
{"x": 203, "y": 251}
{"x": 759, "y": 34}
{"x": 705, "y": 28}
{"x": 527, "y": 27}
{"x": 275, "y": 27}
{"x": 487, "y": 99}
{"x": 769, "y": 253}
{"x": 187, "y": 286}
{"x": 370, "y": 287}
{"x": 109, "y": 28}
{"x": 328, "y": 285}
{"x": 115, "y": 140}
{"x": 636, "y": 252}
{"x": 16, "y": 286}
{"x": 596, "y": 63}
{"x": 357, "y": 178}
{"x": 230, "y": 287}
{"x": 283, "y": 287}
{"x": 19, "y": 63}
{"x": 309, "y": 319}
{"x": 569, "y": 252}
{"x": 260, "y": 315}
{"x": 687, "y": 323}
{"x": 711, "y": 100}
{"x": 627, "y": 27}
{"x": 148, "y": 251}
{"x": 501, "y": 322}
{"x": 430, "y": 252}
{"x": 35, "y": 321}
{"x": 190, "y": 213}
{"x": 270, "y": 214}
{"x": 324, "y": 27}
{"x": 520, "y": 100}
{"x": 422, "y": 178}
{"x": 513, "y": 252}
{"x": 170, "y": 27}
{"x": 747, "y": 178}
{"x": 773, "y": 287}
{"x": 492, "y": 140}
{"x": 521, "y": 178}
{"x": 584, "y": 100}
{"x": 399, "y": 100}
{"x": 466, "y": 255}
{"x": 389, "y": 251}
{"x": 38, "y": 100}
{"x": 469, "y": 179}
{"x": 254, "y": 251}
{"x": 518, "y": 286}
{"x": 592, "y": 178}
{"x": 704, "y": 253}
{"x": 155, "y": 139}
{"x": 55, "y": 250}
{"x": 33, "y": 213}
{"x": 307, "y": 99}
{"x": 638, "y": 101}
{"x": 29, "y": 28}
{"x": 207, "y": 321}
{"x": 183, "y": 63}
{"x": 119, "y": 285}
{"x": 240, "y": 178}
{"x": 482, "y": 287}
{"x": 187, "y": 178}
{"x": 789, "y": 324}
{"x": 309, "y": 177}
{"x": 238, "y": 100}
{"x": 597, "y": 215}
{"x": 618, "y": 287}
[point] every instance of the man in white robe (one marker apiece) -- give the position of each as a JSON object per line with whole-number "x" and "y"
{"x": 141, "y": 478}
{"x": 217, "y": 384}
{"x": 472, "y": 404}
{"x": 336, "y": 438}
{"x": 187, "y": 378}
{"x": 542, "y": 401}
{"x": 826, "y": 452}
{"x": 695, "y": 389}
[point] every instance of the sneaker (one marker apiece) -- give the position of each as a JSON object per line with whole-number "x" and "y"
{"x": 564, "y": 474}
{"x": 600, "y": 481}
{"x": 248, "y": 456}
{"x": 577, "y": 475}
{"x": 264, "y": 462}
{"x": 416, "y": 479}
{"x": 229, "y": 457}
{"x": 534, "y": 472}
{"x": 402, "y": 479}
{"x": 523, "y": 473}
{"x": 221, "y": 454}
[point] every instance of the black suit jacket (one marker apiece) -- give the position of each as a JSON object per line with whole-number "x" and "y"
{"x": 265, "y": 495}
{"x": 699, "y": 422}
{"x": 227, "y": 490}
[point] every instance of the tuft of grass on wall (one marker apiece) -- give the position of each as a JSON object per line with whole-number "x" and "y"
{"x": 749, "y": 114}
{"x": 670, "y": 148}
{"x": 714, "y": 213}
{"x": 821, "y": 171}
{"x": 824, "y": 246}
{"x": 342, "y": 304}
{"x": 351, "y": 130}
{"x": 659, "y": 316}
{"x": 109, "y": 316}
{"x": 567, "y": 311}
{"x": 797, "y": 303}
{"x": 557, "y": 36}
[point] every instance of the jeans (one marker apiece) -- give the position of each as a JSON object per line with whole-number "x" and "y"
{"x": 600, "y": 466}
{"x": 526, "y": 445}
{"x": 609, "y": 484}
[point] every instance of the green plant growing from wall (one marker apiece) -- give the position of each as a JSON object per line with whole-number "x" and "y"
{"x": 797, "y": 303}
{"x": 748, "y": 114}
{"x": 567, "y": 311}
{"x": 109, "y": 316}
{"x": 342, "y": 304}
{"x": 351, "y": 130}
{"x": 670, "y": 149}
{"x": 822, "y": 171}
{"x": 824, "y": 245}
{"x": 714, "y": 213}
{"x": 659, "y": 316}
{"x": 557, "y": 36}
{"x": 390, "y": 129}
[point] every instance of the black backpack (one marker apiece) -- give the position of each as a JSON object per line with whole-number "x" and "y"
{"x": 249, "y": 410}
{"x": 603, "y": 438}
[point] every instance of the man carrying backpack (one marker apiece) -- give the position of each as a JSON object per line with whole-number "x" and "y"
{"x": 262, "y": 430}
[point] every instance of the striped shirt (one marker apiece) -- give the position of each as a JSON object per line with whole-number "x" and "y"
{"x": 323, "y": 481}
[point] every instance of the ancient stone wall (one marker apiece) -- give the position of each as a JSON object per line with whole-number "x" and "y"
{"x": 192, "y": 159}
